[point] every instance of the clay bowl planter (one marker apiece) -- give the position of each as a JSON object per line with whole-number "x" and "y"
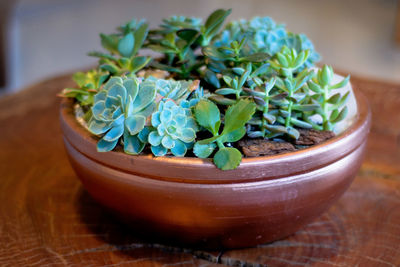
{"x": 189, "y": 201}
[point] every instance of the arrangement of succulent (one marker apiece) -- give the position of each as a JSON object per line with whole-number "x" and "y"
{"x": 210, "y": 86}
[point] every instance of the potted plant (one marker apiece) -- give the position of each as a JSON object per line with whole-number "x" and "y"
{"x": 225, "y": 139}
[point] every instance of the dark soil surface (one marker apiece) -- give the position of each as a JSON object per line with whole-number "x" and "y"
{"x": 265, "y": 147}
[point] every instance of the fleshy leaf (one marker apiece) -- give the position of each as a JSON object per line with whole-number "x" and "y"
{"x": 180, "y": 148}
{"x": 238, "y": 114}
{"x": 135, "y": 124}
{"x": 104, "y": 146}
{"x": 158, "y": 151}
{"x": 98, "y": 127}
{"x": 207, "y": 115}
{"x": 114, "y": 134}
{"x": 154, "y": 138}
{"x": 227, "y": 158}
{"x": 125, "y": 45}
{"x": 132, "y": 144}
{"x": 203, "y": 151}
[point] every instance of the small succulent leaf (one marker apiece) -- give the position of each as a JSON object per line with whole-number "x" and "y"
{"x": 203, "y": 151}
{"x": 325, "y": 75}
{"x": 343, "y": 99}
{"x": 167, "y": 142}
{"x": 109, "y": 42}
{"x": 259, "y": 101}
{"x": 333, "y": 115}
{"x": 101, "y": 55}
{"x": 255, "y": 134}
{"x": 261, "y": 70}
{"x": 215, "y": 21}
{"x": 238, "y": 70}
{"x": 159, "y": 150}
{"x": 334, "y": 99}
{"x": 269, "y": 118}
{"x": 238, "y": 114}
{"x": 225, "y": 91}
{"x": 105, "y": 146}
{"x": 139, "y": 63}
{"x": 132, "y": 144}
{"x": 207, "y": 115}
{"x": 166, "y": 115}
{"x": 139, "y": 37}
{"x": 98, "y": 108}
{"x": 314, "y": 87}
{"x": 282, "y": 60}
{"x": 112, "y": 68}
{"x": 293, "y": 133}
{"x": 305, "y": 107}
{"x": 243, "y": 79}
{"x": 188, "y": 35}
{"x": 233, "y": 136}
{"x": 340, "y": 84}
{"x": 154, "y": 138}
{"x": 144, "y": 135}
{"x": 300, "y": 123}
{"x": 188, "y": 135}
{"x": 276, "y": 128}
{"x": 114, "y": 134}
{"x": 132, "y": 87}
{"x": 179, "y": 149}
{"x": 342, "y": 114}
{"x": 219, "y": 99}
{"x": 155, "y": 119}
{"x": 146, "y": 95}
{"x": 98, "y": 127}
{"x": 126, "y": 44}
{"x": 227, "y": 80}
{"x": 161, "y": 49}
{"x": 256, "y": 57}
{"x": 135, "y": 124}
{"x": 118, "y": 121}
{"x": 227, "y": 158}
{"x": 211, "y": 78}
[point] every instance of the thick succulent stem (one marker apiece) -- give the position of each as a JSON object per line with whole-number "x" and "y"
{"x": 220, "y": 144}
{"x": 325, "y": 109}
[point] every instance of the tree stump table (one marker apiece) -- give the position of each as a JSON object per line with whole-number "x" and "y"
{"x": 47, "y": 218}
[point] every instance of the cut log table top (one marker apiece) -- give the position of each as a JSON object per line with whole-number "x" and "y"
{"x": 47, "y": 218}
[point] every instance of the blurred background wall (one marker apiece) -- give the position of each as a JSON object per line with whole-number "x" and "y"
{"x": 42, "y": 38}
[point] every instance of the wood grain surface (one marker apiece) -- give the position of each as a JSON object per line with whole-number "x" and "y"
{"x": 47, "y": 218}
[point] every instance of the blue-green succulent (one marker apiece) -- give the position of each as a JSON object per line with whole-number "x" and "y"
{"x": 120, "y": 110}
{"x": 174, "y": 128}
{"x": 262, "y": 34}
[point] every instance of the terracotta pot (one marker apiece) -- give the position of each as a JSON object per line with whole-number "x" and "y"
{"x": 190, "y": 202}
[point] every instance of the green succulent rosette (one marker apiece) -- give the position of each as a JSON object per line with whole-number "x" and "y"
{"x": 174, "y": 129}
{"x": 120, "y": 110}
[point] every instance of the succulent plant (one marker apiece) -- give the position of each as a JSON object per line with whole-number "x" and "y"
{"x": 331, "y": 106}
{"x": 88, "y": 85}
{"x": 177, "y": 91}
{"x": 174, "y": 129}
{"x": 208, "y": 116}
{"x": 121, "y": 109}
{"x": 264, "y": 35}
{"x": 123, "y": 48}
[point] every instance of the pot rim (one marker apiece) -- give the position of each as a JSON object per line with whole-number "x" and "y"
{"x": 196, "y": 170}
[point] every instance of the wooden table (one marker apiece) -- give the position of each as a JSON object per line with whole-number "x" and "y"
{"x": 47, "y": 218}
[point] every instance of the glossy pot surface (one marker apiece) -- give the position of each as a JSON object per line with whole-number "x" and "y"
{"x": 189, "y": 201}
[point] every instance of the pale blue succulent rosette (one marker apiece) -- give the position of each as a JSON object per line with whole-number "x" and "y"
{"x": 120, "y": 110}
{"x": 174, "y": 128}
